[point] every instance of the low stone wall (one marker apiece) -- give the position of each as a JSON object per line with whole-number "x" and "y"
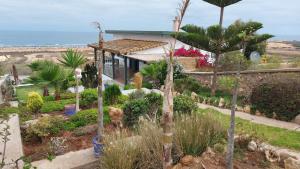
{"x": 188, "y": 63}
{"x": 250, "y": 78}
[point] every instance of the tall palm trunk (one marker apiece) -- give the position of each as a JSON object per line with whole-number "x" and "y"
{"x": 214, "y": 80}
{"x": 221, "y": 16}
{"x": 100, "y": 100}
{"x": 167, "y": 118}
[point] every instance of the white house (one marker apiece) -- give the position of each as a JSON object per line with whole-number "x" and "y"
{"x": 134, "y": 49}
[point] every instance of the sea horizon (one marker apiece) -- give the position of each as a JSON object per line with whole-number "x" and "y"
{"x": 71, "y": 39}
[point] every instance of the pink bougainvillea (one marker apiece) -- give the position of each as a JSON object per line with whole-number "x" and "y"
{"x": 200, "y": 57}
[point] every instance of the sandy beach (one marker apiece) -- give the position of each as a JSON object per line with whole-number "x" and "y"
{"x": 22, "y": 56}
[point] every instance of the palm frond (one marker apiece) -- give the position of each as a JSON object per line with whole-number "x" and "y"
{"x": 72, "y": 59}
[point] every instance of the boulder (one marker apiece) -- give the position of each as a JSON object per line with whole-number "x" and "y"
{"x": 194, "y": 96}
{"x": 116, "y": 116}
{"x": 297, "y": 119}
{"x": 291, "y": 163}
{"x": 272, "y": 156}
{"x": 257, "y": 113}
{"x": 247, "y": 109}
{"x": 284, "y": 155}
{"x": 252, "y": 146}
{"x": 187, "y": 160}
{"x": 222, "y": 102}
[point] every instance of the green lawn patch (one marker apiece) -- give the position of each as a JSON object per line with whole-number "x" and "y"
{"x": 272, "y": 135}
{"x": 22, "y": 92}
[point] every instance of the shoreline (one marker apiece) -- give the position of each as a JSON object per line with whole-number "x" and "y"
{"x": 21, "y": 49}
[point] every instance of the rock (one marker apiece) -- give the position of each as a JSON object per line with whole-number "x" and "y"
{"x": 272, "y": 156}
{"x": 194, "y": 96}
{"x": 29, "y": 123}
{"x": 239, "y": 108}
{"x": 297, "y": 119}
{"x": 257, "y": 113}
{"x": 177, "y": 166}
{"x": 187, "y": 160}
{"x": 247, "y": 109}
{"x": 252, "y": 146}
{"x": 222, "y": 102}
{"x": 291, "y": 163}
{"x": 116, "y": 116}
{"x": 284, "y": 155}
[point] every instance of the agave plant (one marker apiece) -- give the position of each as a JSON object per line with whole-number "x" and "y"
{"x": 72, "y": 59}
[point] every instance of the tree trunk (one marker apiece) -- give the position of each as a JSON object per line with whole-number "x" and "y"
{"x": 100, "y": 100}
{"x": 230, "y": 148}
{"x": 167, "y": 118}
{"x": 214, "y": 80}
{"x": 57, "y": 93}
{"x": 46, "y": 91}
{"x": 221, "y": 17}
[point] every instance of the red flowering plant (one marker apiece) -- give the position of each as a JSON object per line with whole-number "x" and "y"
{"x": 202, "y": 60}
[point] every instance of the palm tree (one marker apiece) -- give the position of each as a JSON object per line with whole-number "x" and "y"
{"x": 222, "y": 4}
{"x": 218, "y": 40}
{"x": 49, "y": 73}
{"x": 73, "y": 59}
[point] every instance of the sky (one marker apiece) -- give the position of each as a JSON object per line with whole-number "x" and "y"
{"x": 280, "y": 17}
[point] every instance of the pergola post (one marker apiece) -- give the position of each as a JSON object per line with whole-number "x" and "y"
{"x": 126, "y": 70}
{"x": 103, "y": 60}
{"x": 113, "y": 66}
{"x": 95, "y": 54}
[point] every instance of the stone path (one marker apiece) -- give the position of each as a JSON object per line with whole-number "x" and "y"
{"x": 78, "y": 159}
{"x": 256, "y": 119}
{"x": 14, "y": 148}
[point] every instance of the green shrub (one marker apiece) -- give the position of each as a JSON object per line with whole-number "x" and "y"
{"x": 138, "y": 94}
{"x": 48, "y": 98}
{"x": 147, "y": 85}
{"x": 45, "y": 126}
{"x": 129, "y": 86}
{"x": 194, "y": 133}
{"x": 6, "y": 111}
{"x": 34, "y": 102}
{"x": 154, "y": 103}
{"x": 111, "y": 94}
{"x": 133, "y": 110}
{"x": 184, "y": 104}
{"x": 226, "y": 83}
{"x": 122, "y": 99}
{"x": 52, "y": 106}
{"x": 88, "y": 97}
{"x": 230, "y": 62}
{"x": 281, "y": 97}
{"x": 156, "y": 73}
{"x": 189, "y": 84}
{"x": 67, "y": 95}
{"x": 86, "y": 117}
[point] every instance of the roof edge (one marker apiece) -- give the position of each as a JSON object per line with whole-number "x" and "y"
{"x": 138, "y": 32}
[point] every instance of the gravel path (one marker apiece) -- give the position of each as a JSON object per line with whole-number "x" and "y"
{"x": 256, "y": 119}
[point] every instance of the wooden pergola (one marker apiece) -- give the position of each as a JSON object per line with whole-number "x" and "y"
{"x": 123, "y": 48}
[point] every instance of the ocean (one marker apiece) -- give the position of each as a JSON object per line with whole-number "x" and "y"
{"x": 47, "y": 38}
{"x": 68, "y": 39}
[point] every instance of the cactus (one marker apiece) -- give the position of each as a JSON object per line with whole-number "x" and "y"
{"x": 89, "y": 76}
